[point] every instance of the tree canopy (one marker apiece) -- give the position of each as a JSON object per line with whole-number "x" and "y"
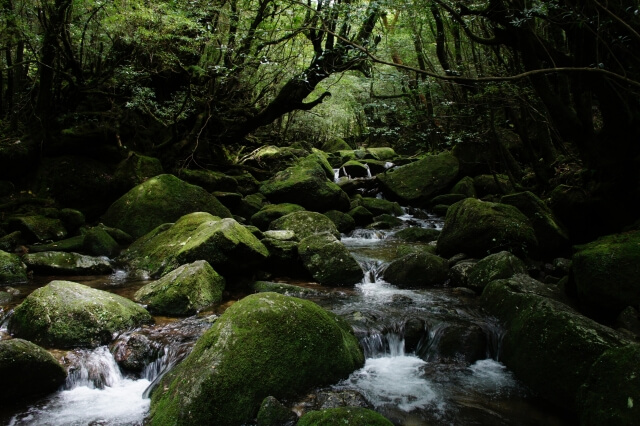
{"x": 198, "y": 79}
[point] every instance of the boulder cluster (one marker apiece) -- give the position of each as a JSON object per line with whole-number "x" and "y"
{"x": 570, "y": 311}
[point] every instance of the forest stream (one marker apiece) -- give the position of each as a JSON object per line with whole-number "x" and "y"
{"x": 412, "y": 375}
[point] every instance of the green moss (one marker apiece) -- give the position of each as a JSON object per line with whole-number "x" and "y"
{"x": 417, "y": 270}
{"x": 210, "y": 180}
{"x": 27, "y": 370}
{"x": 352, "y": 416}
{"x": 418, "y": 182}
{"x": 417, "y": 234}
{"x": 479, "y": 228}
{"x": 159, "y": 200}
{"x": 228, "y": 246}
{"x": 305, "y": 223}
{"x": 265, "y": 344}
{"x": 335, "y": 144}
{"x": 465, "y": 187}
{"x": 183, "y": 291}
{"x": 493, "y": 267}
{"x": 606, "y": 271}
{"x": 38, "y": 228}
{"x": 308, "y": 184}
{"x": 328, "y": 260}
{"x": 271, "y": 212}
{"x": 12, "y": 270}
{"x": 65, "y": 314}
{"x": 378, "y": 206}
{"x": 344, "y": 223}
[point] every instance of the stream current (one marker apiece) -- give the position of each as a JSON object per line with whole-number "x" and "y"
{"x": 411, "y": 375}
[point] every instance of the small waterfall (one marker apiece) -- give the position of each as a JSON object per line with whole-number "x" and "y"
{"x": 94, "y": 369}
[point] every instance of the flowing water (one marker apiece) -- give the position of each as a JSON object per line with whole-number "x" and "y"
{"x": 432, "y": 356}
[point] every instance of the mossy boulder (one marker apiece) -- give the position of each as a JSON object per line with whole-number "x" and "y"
{"x": 355, "y": 169}
{"x": 494, "y": 267}
{"x": 549, "y": 346}
{"x": 385, "y": 221}
{"x": 183, "y": 291}
{"x": 361, "y": 215}
{"x": 328, "y": 260}
{"x": 38, "y": 228}
{"x": 606, "y": 271}
{"x": 282, "y": 288}
{"x": 353, "y": 416}
{"x": 210, "y": 180}
{"x": 305, "y": 223}
{"x": 64, "y": 314}
{"x": 611, "y": 393}
{"x": 98, "y": 242}
{"x": 553, "y": 239}
{"x": 334, "y": 145}
{"x": 344, "y": 223}
{"x": 378, "y": 206}
{"x": 264, "y": 345}
{"x": 273, "y": 158}
{"x": 63, "y": 263}
{"x": 416, "y": 234}
{"x": 465, "y": 186}
{"x": 479, "y": 228}
{"x": 418, "y": 269}
{"x": 383, "y": 153}
{"x": 73, "y": 244}
{"x": 12, "y": 269}
{"x": 27, "y": 370}
{"x": 159, "y": 200}
{"x": 283, "y": 257}
{"x": 135, "y": 169}
{"x": 271, "y": 212}
{"x": 416, "y": 183}
{"x": 447, "y": 199}
{"x": 309, "y": 184}
{"x": 229, "y": 247}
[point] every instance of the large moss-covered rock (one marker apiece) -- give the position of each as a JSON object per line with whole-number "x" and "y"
{"x": 265, "y": 344}
{"x": 73, "y": 244}
{"x": 159, "y": 200}
{"x": 383, "y": 153}
{"x": 355, "y": 169}
{"x": 466, "y": 187}
{"x": 416, "y": 183}
{"x": 378, "y": 206}
{"x": 27, "y": 370}
{"x": 414, "y": 234}
{"x": 328, "y": 260}
{"x": 494, "y": 267}
{"x": 274, "y": 158}
{"x": 63, "y": 263}
{"x": 334, "y": 145}
{"x": 606, "y": 272}
{"x": 550, "y": 347}
{"x": 305, "y": 223}
{"x": 479, "y": 228}
{"x": 65, "y": 314}
{"x": 271, "y": 212}
{"x": 183, "y": 291}
{"x": 308, "y": 184}
{"x": 418, "y": 269}
{"x": 611, "y": 394}
{"x": 98, "y": 242}
{"x": 229, "y": 247}
{"x": 553, "y": 239}
{"x": 38, "y": 228}
{"x": 353, "y": 416}
{"x": 12, "y": 270}
{"x": 210, "y": 180}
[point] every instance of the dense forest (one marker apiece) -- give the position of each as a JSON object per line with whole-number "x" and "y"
{"x": 546, "y": 92}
